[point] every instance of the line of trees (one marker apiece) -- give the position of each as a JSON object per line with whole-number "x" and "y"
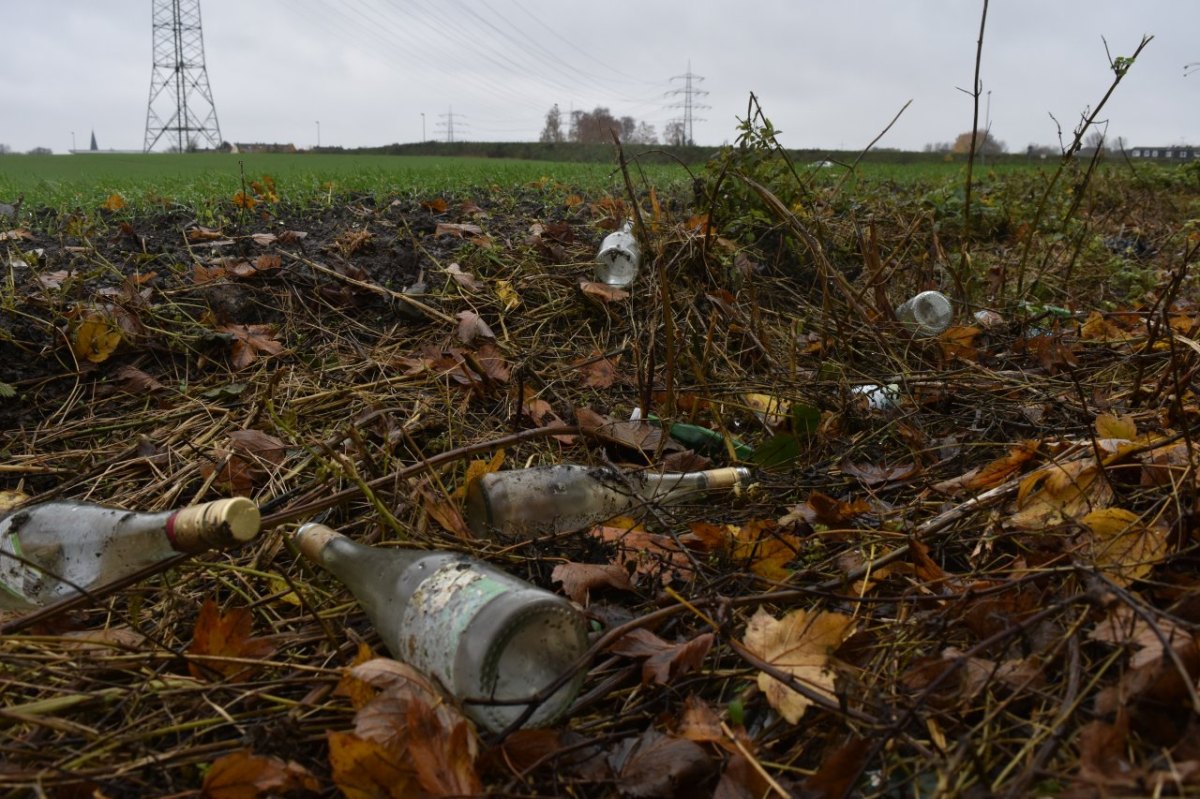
{"x": 596, "y": 127}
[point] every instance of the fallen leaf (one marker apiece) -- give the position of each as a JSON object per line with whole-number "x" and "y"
{"x": 991, "y": 474}
{"x": 579, "y": 579}
{"x": 822, "y": 509}
{"x": 225, "y": 635}
{"x": 1122, "y": 545}
{"x": 1058, "y": 492}
{"x": 96, "y": 338}
{"x": 603, "y": 292}
{"x": 243, "y": 200}
{"x": 771, "y": 411}
{"x": 444, "y": 758}
{"x": 245, "y": 775}
{"x": 251, "y": 340}
{"x": 457, "y": 229}
{"x": 365, "y": 769}
{"x": 55, "y": 279}
{"x": 664, "y": 661}
{"x": 437, "y": 205}
{"x": 874, "y": 474}
{"x": 641, "y": 436}
{"x": 471, "y": 327}
{"x": 801, "y": 644}
{"x": 959, "y": 342}
{"x": 16, "y": 233}
{"x": 135, "y": 381}
{"x": 358, "y": 691}
{"x": 648, "y": 553}
{"x": 1121, "y": 427}
{"x": 507, "y": 294}
{"x": 838, "y": 772}
{"x": 259, "y": 445}
{"x": 114, "y": 202}
{"x": 740, "y": 780}
{"x": 464, "y": 279}
{"x": 658, "y": 765}
{"x": 699, "y": 722}
{"x": 597, "y": 370}
{"x": 204, "y": 234}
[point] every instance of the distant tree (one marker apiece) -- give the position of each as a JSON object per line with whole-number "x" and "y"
{"x": 984, "y": 143}
{"x": 939, "y": 147}
{"x": 5, "y": 149}
{"x": 1093, "y": 141}
{"x": 644, "y": 134}
{"x": 595, "y": 126}
{"x": 675, "y": 133}
{"x": 41, "y": 151}
{"x": 553, "y": 132}
{"x": 1041, "y": 151}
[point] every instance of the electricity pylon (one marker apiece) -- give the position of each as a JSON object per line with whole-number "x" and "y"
{"x": 688, "y": 91}
{"x": 181, "y": 103}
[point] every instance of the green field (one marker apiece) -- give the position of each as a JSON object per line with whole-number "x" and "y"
{"x": 84, "y": 181}
{"x": 67, "y": 181}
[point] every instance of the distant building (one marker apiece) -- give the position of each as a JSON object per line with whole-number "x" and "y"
{"x": 262, "y": 147}
{"x": 1180, "y": 152}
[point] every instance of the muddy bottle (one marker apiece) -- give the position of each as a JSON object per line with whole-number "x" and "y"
{"x": 926, "y": 314}
{"x": 490, "y": 639}
{"x": 566, "y": 497}
{"x": 619, "y": 257}
{"x": 52, "y": 550}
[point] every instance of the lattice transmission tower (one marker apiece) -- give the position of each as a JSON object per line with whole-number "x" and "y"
{"x": 689, "y": 90}
{"x": 181, "y": 107}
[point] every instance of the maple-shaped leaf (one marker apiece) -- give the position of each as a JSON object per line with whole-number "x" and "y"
{"x": 664, "y": 661}
{"x": 366, "y": 769}
{"x": 1119, "y": 427}
{"x": 801, "y": 644}
{"x": 658, "y": 765}
{"x": 218, "y": 636}
{"x": 245, "y": 775}
{"x": 579, "y": 579}
{"x": 251, "y": 340}
{"x": 1122, "y": 545}
{"x": 766, "y": 548}
{"x": 991, "y": 474}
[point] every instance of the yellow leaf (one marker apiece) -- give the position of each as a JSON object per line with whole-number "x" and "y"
{"x": 507, "y": 294}
{"x": 243, "y": 200}
{"x": 11, "y": 499}
{"x": 96, "y": 338}
{"x": 771, "y": 410}
{"x": 286, "y": 594}
{"x": 477, "y": 469}
{"x": 365, "y": 769}
{"x": 1110, "y": 426}
{"x": 801, "y": 644}
{"x": 115, "y": 202}
{"x": 1058, "y": 492}
{"x": 1122, "y": 546}
{"x": 360, "y": 691}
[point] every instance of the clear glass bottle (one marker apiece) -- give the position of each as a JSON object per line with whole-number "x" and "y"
{"x": 484, "y": 634}
{"x": 566, "y": 497}
{"x": 926, "y": 314}
{"x": 67, "y": 544}
{"x": 619, "y": 257}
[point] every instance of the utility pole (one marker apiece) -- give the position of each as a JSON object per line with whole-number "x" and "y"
{"x": 181, "y": 103}
{"x": 689, "y": 91}
{"x": 423, "y": 127}
{"x": 448, "y": 125}
{"x": 318, "y": 133}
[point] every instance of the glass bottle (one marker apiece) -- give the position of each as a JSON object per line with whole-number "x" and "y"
{"x": 619, "y": 257}
{"x": 566, "y": 497}
{"x": 65, "y": 545}
{"x": 926, "y": 314}
{"x": 484, "y": 634}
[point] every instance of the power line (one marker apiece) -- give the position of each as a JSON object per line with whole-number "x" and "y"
{"x": 448, "y": 125}
{"x": 688, "y": 91}
{"x": 181, "y": 101}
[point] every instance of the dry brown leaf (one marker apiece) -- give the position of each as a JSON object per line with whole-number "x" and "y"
{"x": 358, "y": 691}
{"x": 135, "y": 381}
{"x": 602, "y": 291}
{"x": 579, "y": 579}
{"x": 457, "y": 229}
{"x": 822, "y": 509}
{"x": 598, "y": 371}
{"x": 114, "y": 202}
{"x": 648, "y": 553}
{"x": 225, "y": 635}
{"x": 664, "y": 661}
{"x": 249, "y": 341}
{"x": 991, "y": 474}
{"x": 1122, "y": 545}
{"x": 204, "y": 234}
{"x": 801, "y": 644}
{"x": 699, "y": 722}
{"x": 1120, "y": 427}
{"x": 365, "y": 769}
{"x": 658, "y": 765}
{"x": 444, "y": 758}
{"x": 245, "y": 775}
{"x": 872, "y": 474}
{"x": 1058, "y": 492}
{"x": 471, "y": 327}
{"x": 464, "y": 279}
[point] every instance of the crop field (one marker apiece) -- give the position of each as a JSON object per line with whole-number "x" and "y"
{"x": 965, "y": 562}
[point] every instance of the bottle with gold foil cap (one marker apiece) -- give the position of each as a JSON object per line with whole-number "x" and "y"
{"x": 53, "y": 550}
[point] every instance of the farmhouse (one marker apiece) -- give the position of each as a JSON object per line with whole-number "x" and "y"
{"x": 1179, "y": 151}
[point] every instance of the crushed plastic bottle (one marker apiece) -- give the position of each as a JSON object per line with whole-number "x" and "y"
{"x": 491, "y": 640}
{"x": 619, "y": 257}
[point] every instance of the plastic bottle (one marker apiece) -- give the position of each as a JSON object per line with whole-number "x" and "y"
{"x": 926, "y": 314}
{"x": 619, "y": 257}
{"x": 65, "y": 545}
{"x": 484, "y": 634}
{"x": 566, "y": 497}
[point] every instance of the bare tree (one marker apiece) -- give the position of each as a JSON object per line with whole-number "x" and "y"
{"x": 552, "y": 133}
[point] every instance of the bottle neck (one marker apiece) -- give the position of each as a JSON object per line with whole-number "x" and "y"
{"x": 672, "y": 484}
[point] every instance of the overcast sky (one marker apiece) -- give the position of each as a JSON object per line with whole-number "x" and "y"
{"x": 828, "y": 74}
